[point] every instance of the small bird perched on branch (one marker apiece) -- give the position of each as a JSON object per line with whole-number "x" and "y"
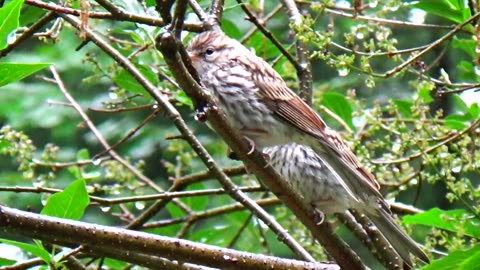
{"x": 259, "y": 104}
{"x": 325, "y": 190}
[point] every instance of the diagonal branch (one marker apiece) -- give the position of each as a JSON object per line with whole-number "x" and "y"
{"x": 345, "y": 257}
{"x": 169, "y": 110}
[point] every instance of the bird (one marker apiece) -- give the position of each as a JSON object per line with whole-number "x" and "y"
{"x": 258, "y": 103}
{"x": 322, "y": 188}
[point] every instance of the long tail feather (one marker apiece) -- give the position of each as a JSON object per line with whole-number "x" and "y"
{"x": 400, "y": 241}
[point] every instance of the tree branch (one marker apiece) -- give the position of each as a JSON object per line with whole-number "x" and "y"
{"x": 98, "y": 238}
{"x": 345, "y": 257}
{"x": 169, "y": 110}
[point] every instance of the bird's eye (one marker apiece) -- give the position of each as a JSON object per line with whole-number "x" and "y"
{"x": 209, "y": 51}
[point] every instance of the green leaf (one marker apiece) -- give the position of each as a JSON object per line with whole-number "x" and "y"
{"x": 459, "y": 103}
{"x": 453, "y": 122}
{"x": 474, "y": 111}
{"x": 220, "y": 236}
{"x": 231, "y": 29}
{"x": 262, "y": 46}
{"x": 125, "y": 80}
{"x": 424, "y": 94}
{"x": 447, "y": 220}
{"x": 16, "y": 71}
{"x": 466, "y": 45}
{"x": 4, "y": 143}
{"x": 452, "y": 10}
{"x": 404, "y": 107}
{"x": 464, "y": 115}
{"x": 69, "y": 203}
{"x": 9, "y": 15}
{"x": 114, "y": 264}
{"x": 4, "y": 261}
{"x": 182, "y": 98}
{"x": 174, "y": 210}
{"x": 197, "y": 203}
{"x": 338, "y": 104}
{"x": 36, "y": 250}
{"x": 459, "y": 259}
{"x": 473, "y": 262}
{"x": 466, "y": 71}
{"x": 83, "y": 154}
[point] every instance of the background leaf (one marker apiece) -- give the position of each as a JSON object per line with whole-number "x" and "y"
{"x": 338, "y": 104}
{"x": 69, "y": 203}
{"x": 16, "y": 71}
{"x": 33, "y": 249}
{"x": 9, "y": 15}
{"x": 447, "y": 220}
{"x": 457, "y": 260}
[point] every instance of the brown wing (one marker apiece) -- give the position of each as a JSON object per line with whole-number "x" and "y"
{"x": 292, "y": 109}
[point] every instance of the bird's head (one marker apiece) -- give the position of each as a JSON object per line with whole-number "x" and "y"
{"x": 210, "y": 50}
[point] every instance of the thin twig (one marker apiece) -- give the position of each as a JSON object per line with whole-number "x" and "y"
{"x": 304, "y": 68}
{"x": 129, "y": 134}
{"x": 216, "y": 10}
{"x": 28, "y": 33}
{"x": 269, "y": 35}
{"x": 124, "y": 16}
{"x": 104, "y": 143}
{"x": 170, "y": 111}
{"x": 386, "y": 21}
{"x": 411, "y": 157}
{"x": 254, "y": 160}
{"x": 217, "y": 211}
{"x": 439, "y": 41}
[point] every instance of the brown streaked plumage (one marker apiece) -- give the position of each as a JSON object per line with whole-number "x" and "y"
{"x": 259, "y": 104}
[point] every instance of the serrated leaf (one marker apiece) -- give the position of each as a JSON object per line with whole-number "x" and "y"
{"x": 69, "y": 203}
{"x": 16, "y": 71}
{"x": 36, "y": 250}
{"x": 447, "y": 220}
{"x": 9, "y": 15}
{"x": 338, "y": 104}
{"x": 460, "y": 259}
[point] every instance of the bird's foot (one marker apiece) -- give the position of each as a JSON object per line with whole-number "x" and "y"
{"x": 232, "y": 155}
{"x": 251, "y": 143}
{"x": 201, "y": 114}
{"x": 319, "y": 217}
